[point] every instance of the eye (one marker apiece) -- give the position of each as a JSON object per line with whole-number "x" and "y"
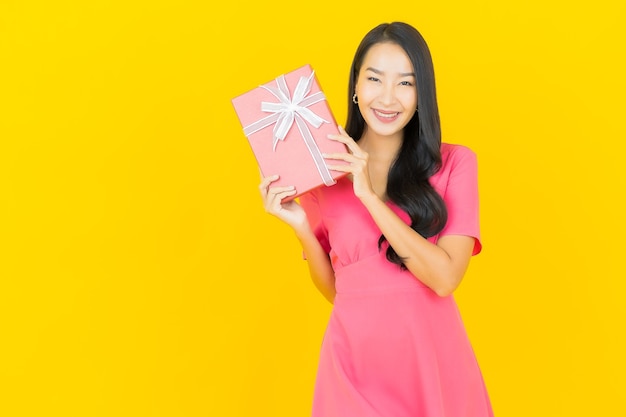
{"x": 409, "y": 83}
{"x": 373, "y": 79}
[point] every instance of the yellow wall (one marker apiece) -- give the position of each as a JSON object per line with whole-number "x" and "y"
{"x": 140, "y": 275}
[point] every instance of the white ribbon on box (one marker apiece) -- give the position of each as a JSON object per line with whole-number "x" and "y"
{"x": 289, "y": 110}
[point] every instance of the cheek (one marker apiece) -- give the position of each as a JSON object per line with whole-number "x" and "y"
{"x": 366, "y": 94}
{"x": 408, "y": 99}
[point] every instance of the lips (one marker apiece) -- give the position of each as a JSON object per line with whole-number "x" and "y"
{"x": 386, "y": 116}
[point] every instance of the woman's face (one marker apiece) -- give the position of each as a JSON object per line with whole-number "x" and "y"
{"x": 386, "y": 89}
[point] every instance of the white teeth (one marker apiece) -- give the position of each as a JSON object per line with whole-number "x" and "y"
{"x": 386, "y": 115}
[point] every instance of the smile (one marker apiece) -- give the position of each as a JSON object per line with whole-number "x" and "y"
{"x": 386, "y": 116}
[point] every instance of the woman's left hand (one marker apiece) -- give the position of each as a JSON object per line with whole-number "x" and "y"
{"x": 357, "y": 164}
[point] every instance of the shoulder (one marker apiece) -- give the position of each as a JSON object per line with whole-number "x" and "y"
{"x": 451, "y": 151}
{"x": 456, "y": 160}
{"x": 454, "y": 156}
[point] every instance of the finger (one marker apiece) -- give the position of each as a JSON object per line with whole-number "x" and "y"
{"x": 265, "y": 183}
{"x": 348, "y": 157}
{"x": 287, "y": 193}
{"x": 354, "y": 167}
{"x": 275, "y": 200}
{"x": 278, "y": 190}
{"x": 273, "y": 194}
{"x": 340, "y": 138}
{"x": 341, "y": 168}
{"x": 344, "y": 138}
{"x": 342, "y": 134}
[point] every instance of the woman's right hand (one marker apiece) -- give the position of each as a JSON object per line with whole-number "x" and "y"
{"x": 290, "y": 212}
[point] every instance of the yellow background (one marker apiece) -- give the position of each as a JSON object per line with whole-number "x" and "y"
{"x": 140, "y": 275}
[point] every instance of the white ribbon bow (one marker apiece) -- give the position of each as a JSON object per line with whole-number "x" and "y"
{"x": 289, "y": 110}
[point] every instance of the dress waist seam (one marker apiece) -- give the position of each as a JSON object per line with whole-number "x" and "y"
{"x": 382, "y": 290}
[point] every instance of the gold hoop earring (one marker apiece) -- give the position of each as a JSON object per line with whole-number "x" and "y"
{"x": 355, "y": 99}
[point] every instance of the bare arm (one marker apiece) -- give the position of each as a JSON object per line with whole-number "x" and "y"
{"x": 320, "y": 268}
{"x": 294, "y": 215}
{"x": 440, "y": 266}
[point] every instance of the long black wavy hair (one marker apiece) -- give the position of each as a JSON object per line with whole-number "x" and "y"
{"x": 419, "y": 157}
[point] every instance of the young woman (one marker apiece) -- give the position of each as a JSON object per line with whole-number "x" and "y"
{"x": 389, "y": 243}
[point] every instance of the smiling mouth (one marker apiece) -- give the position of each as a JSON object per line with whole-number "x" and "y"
{"x": 386, "y": 115}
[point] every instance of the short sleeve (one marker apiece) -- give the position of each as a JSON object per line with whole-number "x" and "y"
{"x": 310, "y": 204}
{"x": 461, "y": 196}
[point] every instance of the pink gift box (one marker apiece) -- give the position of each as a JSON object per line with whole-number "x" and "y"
{"x": 287, "y": 121}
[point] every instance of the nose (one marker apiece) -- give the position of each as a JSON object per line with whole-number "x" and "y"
{"x": 388, "y": 95}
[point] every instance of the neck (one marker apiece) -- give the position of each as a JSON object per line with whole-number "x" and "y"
{"x": 381, "y": 148}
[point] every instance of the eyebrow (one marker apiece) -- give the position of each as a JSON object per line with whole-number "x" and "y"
{"x": 402, "y": 74}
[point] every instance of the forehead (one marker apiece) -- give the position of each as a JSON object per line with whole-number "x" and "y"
{"x": 387, "y": 57}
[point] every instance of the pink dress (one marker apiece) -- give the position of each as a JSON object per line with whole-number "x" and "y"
{"x": 393, "y": 348}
